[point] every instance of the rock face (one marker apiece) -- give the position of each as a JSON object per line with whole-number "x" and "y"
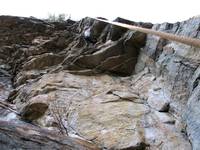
{"x": 26, "y": 136}
{"x": 116, "y": 88}
{"x": 179, "y": 66}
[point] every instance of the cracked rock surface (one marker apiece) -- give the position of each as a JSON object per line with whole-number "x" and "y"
{"x": 97, "y": 84}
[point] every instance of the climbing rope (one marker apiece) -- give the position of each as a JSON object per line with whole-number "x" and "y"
{"x": 182, "y": 39}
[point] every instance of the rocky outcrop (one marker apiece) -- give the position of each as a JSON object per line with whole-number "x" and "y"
{"x": 116, "y": 88}
{"x": 107, "y": 55}
{"x": 26, "y": 136}
{"x": 178, "y": 64}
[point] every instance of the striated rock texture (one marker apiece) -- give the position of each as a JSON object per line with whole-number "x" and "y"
{"x": 26, "y": 136}
{"x": 99, "y": 84}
